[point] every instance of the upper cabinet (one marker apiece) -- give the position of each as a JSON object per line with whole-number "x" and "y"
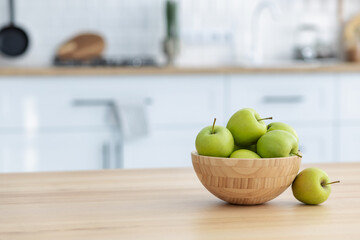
{"x": 296, "y": 98}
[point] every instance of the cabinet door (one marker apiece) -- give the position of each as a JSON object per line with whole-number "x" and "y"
{"x": 349, "y": 143}
{"x": 285, "y": 97}
{"x": 52, "y": 151}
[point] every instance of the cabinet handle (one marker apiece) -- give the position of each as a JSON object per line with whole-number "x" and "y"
{"x": 283, "y": 99}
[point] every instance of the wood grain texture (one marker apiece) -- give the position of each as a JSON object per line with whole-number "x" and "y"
{"x": 83, "y": 71}
{"x": 166, "y": 204}
{"x": 246, "y": 181}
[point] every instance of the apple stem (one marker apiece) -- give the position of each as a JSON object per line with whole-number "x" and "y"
{"x": 213, "y": 126}
{"x": 264, "y": 118}
{"x": 297, "y": 154}
{"x": 324, "y": 184}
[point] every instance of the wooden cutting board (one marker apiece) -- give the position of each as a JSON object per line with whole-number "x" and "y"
{"x": 82, "y": 47}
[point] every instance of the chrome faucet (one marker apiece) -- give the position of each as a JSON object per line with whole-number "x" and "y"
{"x": 115, "y": 127}
{"x": 256, "y": 54}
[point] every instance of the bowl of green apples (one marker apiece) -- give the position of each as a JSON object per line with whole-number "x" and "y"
{"x": 248, "y": 162}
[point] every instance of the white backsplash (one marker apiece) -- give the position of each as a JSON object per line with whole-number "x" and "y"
{"x": 212, "y": 31}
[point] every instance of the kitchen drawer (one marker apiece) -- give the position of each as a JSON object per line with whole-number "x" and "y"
{"x": 165, "y": 100}
{"x": 177, "y": 100}
{"x": 46, "y": 102}
{"x": 52, "y": 151}
{"x": 284, "y": 97}
{"x": 349, "y": 143}
{"x": 350, "y": 97}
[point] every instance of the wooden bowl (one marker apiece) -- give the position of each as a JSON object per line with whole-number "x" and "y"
{"x": 245, "y": 181}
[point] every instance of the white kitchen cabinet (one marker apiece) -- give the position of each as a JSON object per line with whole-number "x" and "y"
{"x": 174, "y": 109}
{"x": 300, "y": 97}
{"x": 52, "y": 151}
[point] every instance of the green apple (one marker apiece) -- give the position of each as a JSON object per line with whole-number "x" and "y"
{"x": 215, "y": 141}
{"x": 312, "y": 186}
{"x": 282, "y": 126}
{"x": 244, "y": 153}
{"x": 246, "y": 126}
{"x": 277, "y": 143}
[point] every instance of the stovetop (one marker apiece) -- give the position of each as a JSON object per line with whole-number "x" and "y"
{"x": 108, "y": 62}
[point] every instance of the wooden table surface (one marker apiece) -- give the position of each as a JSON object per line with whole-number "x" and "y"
{"x": 166, "y": 204}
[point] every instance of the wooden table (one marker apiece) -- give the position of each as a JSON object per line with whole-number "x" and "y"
{"x": 166, "y": 204}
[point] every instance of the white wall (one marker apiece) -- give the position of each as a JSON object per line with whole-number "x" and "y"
{"x": 212, "y": 31}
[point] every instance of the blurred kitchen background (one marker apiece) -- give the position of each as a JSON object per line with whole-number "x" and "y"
{"x": 91, "y": 84}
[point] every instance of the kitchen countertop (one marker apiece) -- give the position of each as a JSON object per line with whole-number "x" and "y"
{"x": 166, "y": 204}
{"x": 76, "y": 71}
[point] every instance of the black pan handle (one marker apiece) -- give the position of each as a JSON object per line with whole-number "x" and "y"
{"x": 11, "y": 12}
